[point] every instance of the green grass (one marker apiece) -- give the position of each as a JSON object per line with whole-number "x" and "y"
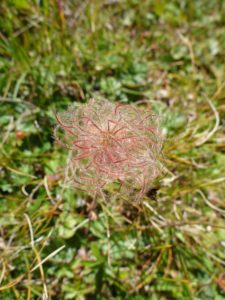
{"x": 170, "y": 246}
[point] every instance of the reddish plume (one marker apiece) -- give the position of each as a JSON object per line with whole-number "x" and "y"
{"x": 110, "y": 142}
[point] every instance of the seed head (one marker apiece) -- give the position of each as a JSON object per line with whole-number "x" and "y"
{"x": 110, "y": 143}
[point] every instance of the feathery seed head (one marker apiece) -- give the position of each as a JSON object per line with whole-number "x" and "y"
{"x": 110, "y": 142}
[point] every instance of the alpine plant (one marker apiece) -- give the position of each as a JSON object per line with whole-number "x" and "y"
{"x": 110, "y": 143}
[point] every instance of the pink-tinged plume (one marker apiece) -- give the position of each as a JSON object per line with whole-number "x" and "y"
{"x": 110, "y": 142}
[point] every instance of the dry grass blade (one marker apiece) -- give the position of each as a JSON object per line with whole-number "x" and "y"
{"x": 207, "y": 135}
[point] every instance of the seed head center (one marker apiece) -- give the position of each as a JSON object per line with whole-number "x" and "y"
{"x": 107, "y": 140}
